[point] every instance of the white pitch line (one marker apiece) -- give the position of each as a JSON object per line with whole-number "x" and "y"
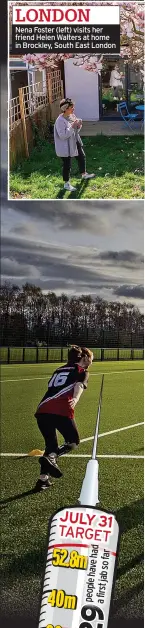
{"x": 84, "y": 440}
{"x": 128, "y": 456}
{"x": 104, "y": 456}
{"x": 118, "y": 372}
{"x": 31, "y": 379}
{"x": 25, "y": 379}
{"x": 120, "y": 429}
{"x": 11, "y": 455}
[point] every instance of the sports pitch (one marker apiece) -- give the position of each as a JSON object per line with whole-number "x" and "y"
{"x": 120, "y": 455}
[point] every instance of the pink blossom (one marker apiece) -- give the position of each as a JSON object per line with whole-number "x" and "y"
{"x": 132, "y": 39}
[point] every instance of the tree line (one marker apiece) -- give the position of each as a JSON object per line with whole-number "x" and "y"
{"x": 30, "y": 317}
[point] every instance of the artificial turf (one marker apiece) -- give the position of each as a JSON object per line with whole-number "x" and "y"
{"x": 25, "y": 515}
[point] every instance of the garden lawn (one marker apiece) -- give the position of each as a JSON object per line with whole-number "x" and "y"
{"x": 116, "y": 161}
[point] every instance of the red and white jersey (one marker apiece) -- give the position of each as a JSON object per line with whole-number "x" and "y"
{"x": 60, "y": 390}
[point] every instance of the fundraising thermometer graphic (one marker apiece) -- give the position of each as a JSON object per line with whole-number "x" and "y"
{"x": 81, "y": 556}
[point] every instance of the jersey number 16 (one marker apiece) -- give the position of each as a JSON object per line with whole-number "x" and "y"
{"x": 58, "y": 379}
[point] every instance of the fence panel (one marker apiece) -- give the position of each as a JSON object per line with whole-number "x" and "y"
{"x": 14, "y": 112}
{"x": 34, "y": 96}
{"x": 37, "y": 103}
{"x": 16, "y": 355}
{"x": 42, "y": 354}
{"x": 110, "y": 354}
{"x": 32, "y": 355}
{"x": 138, "y": 354}
{"x": 124, "y": 354}
{"x": 55, "y": 85}
{"x": 3, "y": 355}
{"x": 96, "y": 353}
{"x": 16, "y": 144}
{"x": 54, "y": 354}
{"x": 65, "y": 354}
{"x": 38, "y": 121}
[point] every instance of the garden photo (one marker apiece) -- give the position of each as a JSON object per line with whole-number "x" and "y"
{"x": 76, "y": 122}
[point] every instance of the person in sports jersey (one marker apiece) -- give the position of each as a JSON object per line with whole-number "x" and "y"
{"x": 56, "y": 411}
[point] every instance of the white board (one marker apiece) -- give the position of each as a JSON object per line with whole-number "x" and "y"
{"x": 82, "y": 86}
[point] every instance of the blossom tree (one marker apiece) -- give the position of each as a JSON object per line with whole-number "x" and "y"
{"x": 132, "y": 39}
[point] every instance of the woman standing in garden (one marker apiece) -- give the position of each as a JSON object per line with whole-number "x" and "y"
{"x": 68, "y": 143}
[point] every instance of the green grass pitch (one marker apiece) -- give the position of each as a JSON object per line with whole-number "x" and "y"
{"x": 25, "y": 515}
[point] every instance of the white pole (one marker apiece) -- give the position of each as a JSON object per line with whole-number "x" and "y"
{"x": 89, "y": 495}
{"x": 97, "y": 423}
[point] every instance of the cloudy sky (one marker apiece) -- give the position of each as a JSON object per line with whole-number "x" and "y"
{"x": 73, "y": 247}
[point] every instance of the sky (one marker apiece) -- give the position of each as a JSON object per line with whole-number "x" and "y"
{"x": 70, "y": 246}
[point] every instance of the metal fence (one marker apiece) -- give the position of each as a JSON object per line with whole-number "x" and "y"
{"x": 33, "y": 355}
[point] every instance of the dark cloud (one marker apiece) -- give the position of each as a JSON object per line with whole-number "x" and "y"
{"x": 123, "y": 258}
{"x": 134, "y": 206}
{"x": 76, "y": 215}
{"x": 21, "y": 230}
{"x": 134, "y": 292}
{"x": 62, "y": 215}
{"x": 14, "y": 269}
{"x": 49, "y": 257}
{"x": 63, "y": 284}
{"x": 48, "y": 269}
{"x": 70, "y": 269}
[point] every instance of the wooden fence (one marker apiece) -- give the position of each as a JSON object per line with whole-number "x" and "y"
{"x": 36, "y": 105}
